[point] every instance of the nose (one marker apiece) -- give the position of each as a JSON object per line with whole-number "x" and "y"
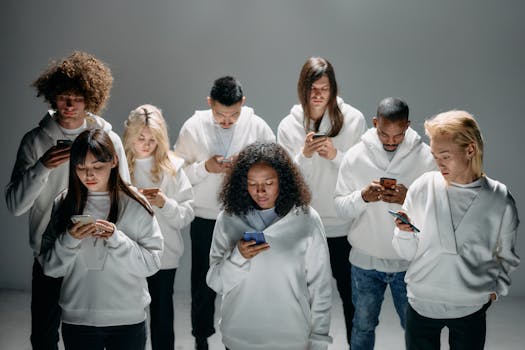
{"x": 261, "y": 189}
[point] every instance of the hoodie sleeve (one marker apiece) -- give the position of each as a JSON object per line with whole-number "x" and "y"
{"x": 406, "y": 243}
{"x": 186, "y": 148}
{"x": 28, "y": 179}
{"x": 140, "y": 256}
{"x": 122, "y": 160}
{"x": 179, "y": 204}
{"x": 506, "y": 252}
{"x": 294, "y": 147}
{"x": 227, "y": 266}
{"x": 348, "y": 201}
{"x": 319, "y": 282}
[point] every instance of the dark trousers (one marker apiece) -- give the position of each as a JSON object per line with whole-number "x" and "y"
{"x": 464, "y": 333}
{"x": 161, "y": 313}
{"x": 126, "y": 337}
{"x": 202, "y": 296}
{"x": 45, "y": 311}
{"x": 342, "y": 271}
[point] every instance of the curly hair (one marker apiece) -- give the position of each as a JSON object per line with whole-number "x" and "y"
{"x": 79, "y": 73}
{"x": 293, "y": 191}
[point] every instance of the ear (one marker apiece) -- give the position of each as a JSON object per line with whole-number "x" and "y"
{"x": 374, "y": 121}
{"x": 471, "y": 150}
{"x": 209, "y": 101}
{"x": 243, "y": 100}
{"x": 114, "y": 162}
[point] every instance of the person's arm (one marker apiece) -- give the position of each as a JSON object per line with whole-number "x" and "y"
{"x": 227, "y": 265}
{"x": 140, "y": 257}
{"x": 178, "y": 206}
{"x": 405, "y": 243}
{"x": 122, "y": 160}
{"x": 186, "y": 148}
{"x": 348, "y": 200}
{"x": 319, "y": 282}
{"x": 295, "y": 150}
{"x": 506, "y": 252}
{"x": 28, "y": 179}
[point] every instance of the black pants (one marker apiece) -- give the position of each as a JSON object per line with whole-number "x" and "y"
{"x": 202, "y": 296}
{"x": 45, "y": 311}
{"x": 125, "y": 337}
{"x": 423, "y": 333}
{"x": 341, "y": 270}
{"x": 161, "y": 312}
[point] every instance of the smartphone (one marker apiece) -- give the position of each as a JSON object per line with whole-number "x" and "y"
{"x": 318, "y": 135}
{"x": 387, "y": 182}
{"x": 258, "y": 237}
{"x": 84, "y": 219}
{"x": 64, "y": 143}
{"x": 402, "y": 218}
{"x": 149, "y": 191}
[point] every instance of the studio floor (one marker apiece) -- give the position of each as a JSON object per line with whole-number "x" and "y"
{"x": 505, "y": 324}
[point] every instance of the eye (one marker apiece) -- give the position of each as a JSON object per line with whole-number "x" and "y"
{"x": 79, "y": 167}
{"x": 269, "y": 183}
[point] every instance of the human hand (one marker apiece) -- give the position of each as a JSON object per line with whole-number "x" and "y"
{"x": 249, "y": 249}
{"x": 81, "y": 230}
{"x": 396, "y": 194}
{"x": 401, "y": 225}
{"x": 327, "y": 149}
{"x": 312, "y": 145}
{"x": 373, "y": 192}
{"x": 157, "y": 199}
{"x": 105, "y": 229}
{"x": 55, "y": 156}
{"x": 218, "y": 164}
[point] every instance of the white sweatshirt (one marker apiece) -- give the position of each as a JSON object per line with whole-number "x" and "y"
{"x": 461, "y": 267}
{"x": 281, "y": 298}
{"x": 116, "y": 294}
{"x": 372, "y": 226}
{"x": 176, "y": 213}
{"x": 321, "y": 173}
{"x": 196, "y": 143}
{"x": 33, "y": 187}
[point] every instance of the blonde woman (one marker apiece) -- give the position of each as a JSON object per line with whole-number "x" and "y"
{"x": 155, "y": 171}
{"x": 461, "y": 259}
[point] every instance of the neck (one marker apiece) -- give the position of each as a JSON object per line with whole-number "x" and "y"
{"x": 317, "y": 113}
{"x": 71, "y": 123}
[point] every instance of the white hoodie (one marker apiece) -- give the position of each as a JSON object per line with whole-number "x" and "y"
{"x": 457, "y": 270}
{"x": 195, "y": 146}
{"x": 176, "y": 213}
{"x": 116, "y": 292}
{"x": 372, "y": 226}
{"x": 33, "y": 187}
{"x": 281, "y": 298}
{"x": 321, "y": 173}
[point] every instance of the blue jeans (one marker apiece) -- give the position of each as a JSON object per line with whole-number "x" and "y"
{"x": 368, "y": 292}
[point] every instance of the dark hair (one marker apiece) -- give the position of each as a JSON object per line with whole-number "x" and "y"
{"x": 79, "y": 73}
{"x": 393, "y": 109}
{"x": 98, "y": 142}
{"x": 313, "y": 69}
{"x": 293, "y": 190}
{"x": 227, "y": 91}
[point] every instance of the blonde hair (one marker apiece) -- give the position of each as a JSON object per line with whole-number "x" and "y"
{"x": 149, "y": 116}
{"x": 464, "y": 130}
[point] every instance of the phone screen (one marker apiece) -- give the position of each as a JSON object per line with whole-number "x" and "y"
{"x": 258, "y": 237}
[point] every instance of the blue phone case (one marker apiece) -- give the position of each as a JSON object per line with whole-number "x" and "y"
{"x": 402, "y": 218}
{"x": 258, "y": 237}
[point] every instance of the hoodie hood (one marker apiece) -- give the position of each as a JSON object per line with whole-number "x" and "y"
{"x": 297, "y": 112}
{"x": 51, "y": 127}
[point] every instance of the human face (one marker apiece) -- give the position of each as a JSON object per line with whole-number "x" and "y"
{"x": 71, "y": 109}
{"x": 144, "y": 144}
{"x": 391, "y": 133}
{"x": 263, "y": 185}
{"x": 223, "y": 115}
{"x": 94, "y": 174}
{"x": 320, "y": 93}
{"x": 453, "y": 161}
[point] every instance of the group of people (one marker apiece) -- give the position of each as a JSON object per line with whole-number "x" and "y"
{"x": 272, "y": 219}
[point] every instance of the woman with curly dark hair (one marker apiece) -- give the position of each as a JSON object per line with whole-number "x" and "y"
{"x": 269, "y": 256}
{"x": 75, "y": 88}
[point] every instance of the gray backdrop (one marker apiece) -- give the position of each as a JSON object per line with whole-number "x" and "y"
{"x": 438, "y": 55}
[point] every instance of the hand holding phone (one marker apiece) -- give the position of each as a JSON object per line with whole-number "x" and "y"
{"x": 152, "y": 191}
{"x": 404, "y": 220}
{"x": 63, "y": 143}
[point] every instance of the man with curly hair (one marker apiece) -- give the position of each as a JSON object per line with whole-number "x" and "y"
{"x": 208, "y": 142}
{"x": 76, "y": 88}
